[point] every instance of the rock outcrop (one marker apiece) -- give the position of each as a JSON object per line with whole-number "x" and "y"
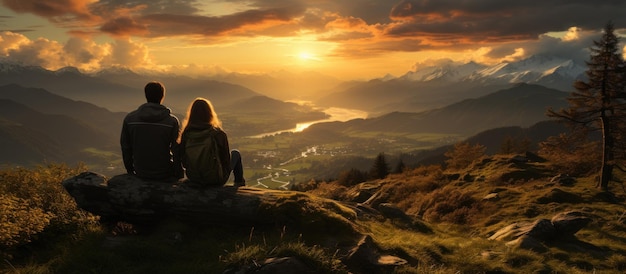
{"x": 534, "y": 235}
{"x": 128, "y": 198}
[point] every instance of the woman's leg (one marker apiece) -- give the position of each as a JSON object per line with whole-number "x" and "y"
{"x": 237, "y": 167}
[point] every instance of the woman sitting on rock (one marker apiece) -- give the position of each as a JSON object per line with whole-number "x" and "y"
{"x": 205, "y": 154}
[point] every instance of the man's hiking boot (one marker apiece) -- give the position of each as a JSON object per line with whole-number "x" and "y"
{"x": 241, "y": 182}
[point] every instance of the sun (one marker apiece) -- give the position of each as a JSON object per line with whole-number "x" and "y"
{"x": 306, "y": 56}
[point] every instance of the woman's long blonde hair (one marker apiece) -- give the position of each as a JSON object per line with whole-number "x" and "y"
{"x": 201, "y": 112}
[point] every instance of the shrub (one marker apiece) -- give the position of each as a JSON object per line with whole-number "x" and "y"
{"x": 450, "y": 205}
{"x": 305, "y": 186}
{"x": 463, "y": 154}
{"x": 351, "y": 177}
{"x": 571, "y": 155}
{"x": 432, "y": 172}
{"x": 19, "y": 221}
{"x": 330, "y": 191}
{"x": 34, "y": 201}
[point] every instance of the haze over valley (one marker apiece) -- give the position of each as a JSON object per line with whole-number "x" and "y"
{"x": 70, "y": 116}
{"x": 394, "y": 77}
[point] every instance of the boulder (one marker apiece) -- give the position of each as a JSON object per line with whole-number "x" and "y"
{"x": 541, "y": 229}
{"x": 568, "y": 223}
{"x": 365, "y": 257}
{"x": 286, "y": 265}
{"x": 533, "y": 236}
{"x": 491, "y": 196}
{"x": 134, "y": 200}
{"x": 557, "y": 195}
{"x": 391, "y": 211}
{"x": 528, "y": 243}
{"x": 563, "y": 179}
{"x": 362, "y": 192}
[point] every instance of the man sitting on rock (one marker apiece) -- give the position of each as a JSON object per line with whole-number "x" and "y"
{"x": 148, "y": 141}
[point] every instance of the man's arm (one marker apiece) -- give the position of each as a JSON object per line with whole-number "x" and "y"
{"x": 127, "y": 149}
{"x": 225, "y": 154}
{"x": 176, "y": 151}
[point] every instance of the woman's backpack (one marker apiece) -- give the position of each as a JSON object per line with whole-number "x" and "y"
{"x": 201, "y": 157}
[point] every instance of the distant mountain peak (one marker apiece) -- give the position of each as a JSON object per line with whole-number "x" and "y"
{"x": 115, "y": 70}
{"x": 387, "y": 77}
{"x": 68, "y": 70}
{"x": 446, "y": 71}
{"x": 11, "y": 67}
{"x": 548, "y": 70}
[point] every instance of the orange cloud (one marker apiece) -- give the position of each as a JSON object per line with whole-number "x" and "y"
{"x": 40, "y": 52}
{"x": 11, "y": 41}
{"x": 82, "y": 53}
{"x": 126, "y": 53}
{"x": 59, "y": 10}
{"x": 161, "y": 25}
{"x": 124, "y": 26}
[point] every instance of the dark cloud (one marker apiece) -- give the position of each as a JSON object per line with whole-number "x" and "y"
{"x": 172, "y": 24}
{"x": 124, "y": 26}
{"x": 181, "y": 7}
{"x": 58, "y": 10}
{"x": 17, "y": 30}
{"x": 477, "y": 21}
{"x": 576, "y": 49}
{"x": 371, "y": 11}
{"x": 495, "y": 20}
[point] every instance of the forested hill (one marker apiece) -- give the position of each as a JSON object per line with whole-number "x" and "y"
{"x": 522, "y": 105}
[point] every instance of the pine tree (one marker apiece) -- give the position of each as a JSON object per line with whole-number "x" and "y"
{"x": 380, "y": 169}
{"x": 599, "y": 103}
{"x": 508, "y": 145}
{"x": 399, "y": 167}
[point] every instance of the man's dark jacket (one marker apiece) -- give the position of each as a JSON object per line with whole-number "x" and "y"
{"x": 148, "y": 141}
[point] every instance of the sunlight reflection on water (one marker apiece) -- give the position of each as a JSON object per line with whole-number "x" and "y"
{"x": 335, "y": 113}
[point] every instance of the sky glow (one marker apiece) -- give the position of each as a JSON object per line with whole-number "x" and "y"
{"x": 356, "y": 39}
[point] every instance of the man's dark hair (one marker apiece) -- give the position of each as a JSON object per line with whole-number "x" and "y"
{"x": 155, "y": 92}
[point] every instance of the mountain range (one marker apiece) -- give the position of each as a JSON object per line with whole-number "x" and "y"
{"x": 434, "y": 86}
{"x": 38, "y": 126}
{"x": 542, "y": 70}
{"x": 520, "y": 105}
{"x": 49, "y": 115}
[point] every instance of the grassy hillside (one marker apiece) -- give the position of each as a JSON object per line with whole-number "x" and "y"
{"x": 436, "y": 220}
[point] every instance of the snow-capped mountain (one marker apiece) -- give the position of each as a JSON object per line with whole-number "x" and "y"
{"x": 68, "y": 72}
{"x": 549, "y": 71}
{"x": 8, "y": 67}
{"x": 449, "y": 71}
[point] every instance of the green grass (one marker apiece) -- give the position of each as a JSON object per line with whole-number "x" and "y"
{"x": 175, "y": 247}
{"x": 430, "y": 246}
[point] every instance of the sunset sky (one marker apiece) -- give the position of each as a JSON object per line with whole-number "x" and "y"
{"x": 350, "y": 39}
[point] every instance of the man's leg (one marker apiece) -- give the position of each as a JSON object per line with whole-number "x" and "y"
{"x": 237, "y": 167}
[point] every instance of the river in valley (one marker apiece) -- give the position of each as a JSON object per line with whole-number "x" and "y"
{"x": 334, "y": 113}
{"x": 279, "y": 175}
